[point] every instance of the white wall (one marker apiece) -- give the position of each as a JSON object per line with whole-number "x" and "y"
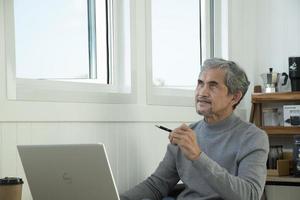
{"x": 277, "y": 30}
{"x": 263, "y": 34}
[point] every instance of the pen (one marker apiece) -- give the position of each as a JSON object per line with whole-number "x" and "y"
{"x": 164, "y": 128}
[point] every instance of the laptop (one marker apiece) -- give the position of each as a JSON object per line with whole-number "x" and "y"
{"x": 68, "y": 172}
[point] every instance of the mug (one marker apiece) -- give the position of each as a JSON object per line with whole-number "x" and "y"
{"x": 11, "y": 188}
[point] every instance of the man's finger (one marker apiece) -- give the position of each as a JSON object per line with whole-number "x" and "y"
{"x": 183, "y": 132}
{"x": 183, "y": 138}
{"x": 184, "y": 127}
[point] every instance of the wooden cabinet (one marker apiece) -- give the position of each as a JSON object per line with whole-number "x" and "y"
{"x": 256, "y": 117}
{"x": 258, "y": 99}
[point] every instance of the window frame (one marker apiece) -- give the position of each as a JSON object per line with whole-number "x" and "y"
{"x": 82, "y": 91}
{"x": 173, "y": 96}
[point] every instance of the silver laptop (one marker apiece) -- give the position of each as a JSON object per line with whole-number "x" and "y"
{"x": 68, "y": 172}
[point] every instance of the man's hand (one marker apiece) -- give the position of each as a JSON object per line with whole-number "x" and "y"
{"x": 186, "y": 139}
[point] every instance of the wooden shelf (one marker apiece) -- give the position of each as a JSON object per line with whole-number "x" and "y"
{"x": 281, "y": 130}
{"x": 283, "y": 180}
{"x": 275, "y": 97}
{"x": 258, "y": 99}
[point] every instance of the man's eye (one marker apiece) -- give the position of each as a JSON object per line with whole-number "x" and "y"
{"x": 200, "y": 83}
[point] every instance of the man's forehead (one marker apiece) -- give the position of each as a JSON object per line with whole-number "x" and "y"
{"x": 212, "y": 75}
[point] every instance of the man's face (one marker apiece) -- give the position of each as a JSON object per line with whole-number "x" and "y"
{"x": 211, "y": 96}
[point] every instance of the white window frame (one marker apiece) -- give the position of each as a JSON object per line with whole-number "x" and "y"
{"x": 85, "y": 91}
{"x": 172, "y": 96}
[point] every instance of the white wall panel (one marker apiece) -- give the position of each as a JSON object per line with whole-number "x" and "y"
{"x": 9, "y": 150}
{"x": 23, "y": 133}
{"x": 242, "y": 41}
{"x": 1, "y": 150}
{"x": 130, "y": 166}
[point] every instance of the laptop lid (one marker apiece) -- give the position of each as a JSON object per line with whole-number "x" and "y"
{"x": 68, "y": 172}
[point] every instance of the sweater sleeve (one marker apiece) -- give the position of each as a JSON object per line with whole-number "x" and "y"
{"x": 250, "y": 181}
{"x": 159, "y": 183}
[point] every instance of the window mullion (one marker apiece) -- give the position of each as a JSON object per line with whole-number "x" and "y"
{"x": 212, "y": 28}
{"x": 200, "y": 31}
{"x": 92, "y": 39}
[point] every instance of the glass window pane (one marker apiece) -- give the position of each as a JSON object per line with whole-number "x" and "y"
{"x": 102, "y": 44}
{"x": 51, "y": 39}
{"x": 175, "y": 43}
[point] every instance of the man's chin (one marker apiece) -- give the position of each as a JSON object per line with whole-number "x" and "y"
{"x": 205, "y": 113}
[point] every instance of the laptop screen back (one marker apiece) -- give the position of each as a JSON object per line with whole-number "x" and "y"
{"x": 68, "y": 172}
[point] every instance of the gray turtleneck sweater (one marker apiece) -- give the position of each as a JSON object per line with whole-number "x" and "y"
{"x": 232, "y": 165}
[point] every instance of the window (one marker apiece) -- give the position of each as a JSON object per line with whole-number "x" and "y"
{"x": 63, "y": 31}
{"x": 178, "y": 43}
{"x": 175, "y": 43}
{"x": 69, "y": 51}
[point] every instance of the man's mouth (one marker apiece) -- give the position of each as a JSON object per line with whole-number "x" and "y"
{"x": 201, "y": 100}
{"x": 204, "y": 101}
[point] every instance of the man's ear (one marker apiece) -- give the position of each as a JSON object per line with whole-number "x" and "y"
{"x": 236, "y": 97}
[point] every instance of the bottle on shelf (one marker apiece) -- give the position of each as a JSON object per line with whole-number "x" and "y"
{"x": 296, "y": 152}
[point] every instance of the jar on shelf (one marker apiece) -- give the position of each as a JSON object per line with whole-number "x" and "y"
{"x": 296, "y": 155}
{"x": 280, "y": 151}
{"x": 273, "y": 157}
{"x": 271, "y": 117}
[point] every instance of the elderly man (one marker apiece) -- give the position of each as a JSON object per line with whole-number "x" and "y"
{"x": 219, "y": 157}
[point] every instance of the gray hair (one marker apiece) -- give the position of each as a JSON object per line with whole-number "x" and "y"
{"x": 235, "y": 78}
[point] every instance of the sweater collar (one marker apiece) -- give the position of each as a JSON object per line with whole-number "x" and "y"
{"x": 223, "y": 125}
